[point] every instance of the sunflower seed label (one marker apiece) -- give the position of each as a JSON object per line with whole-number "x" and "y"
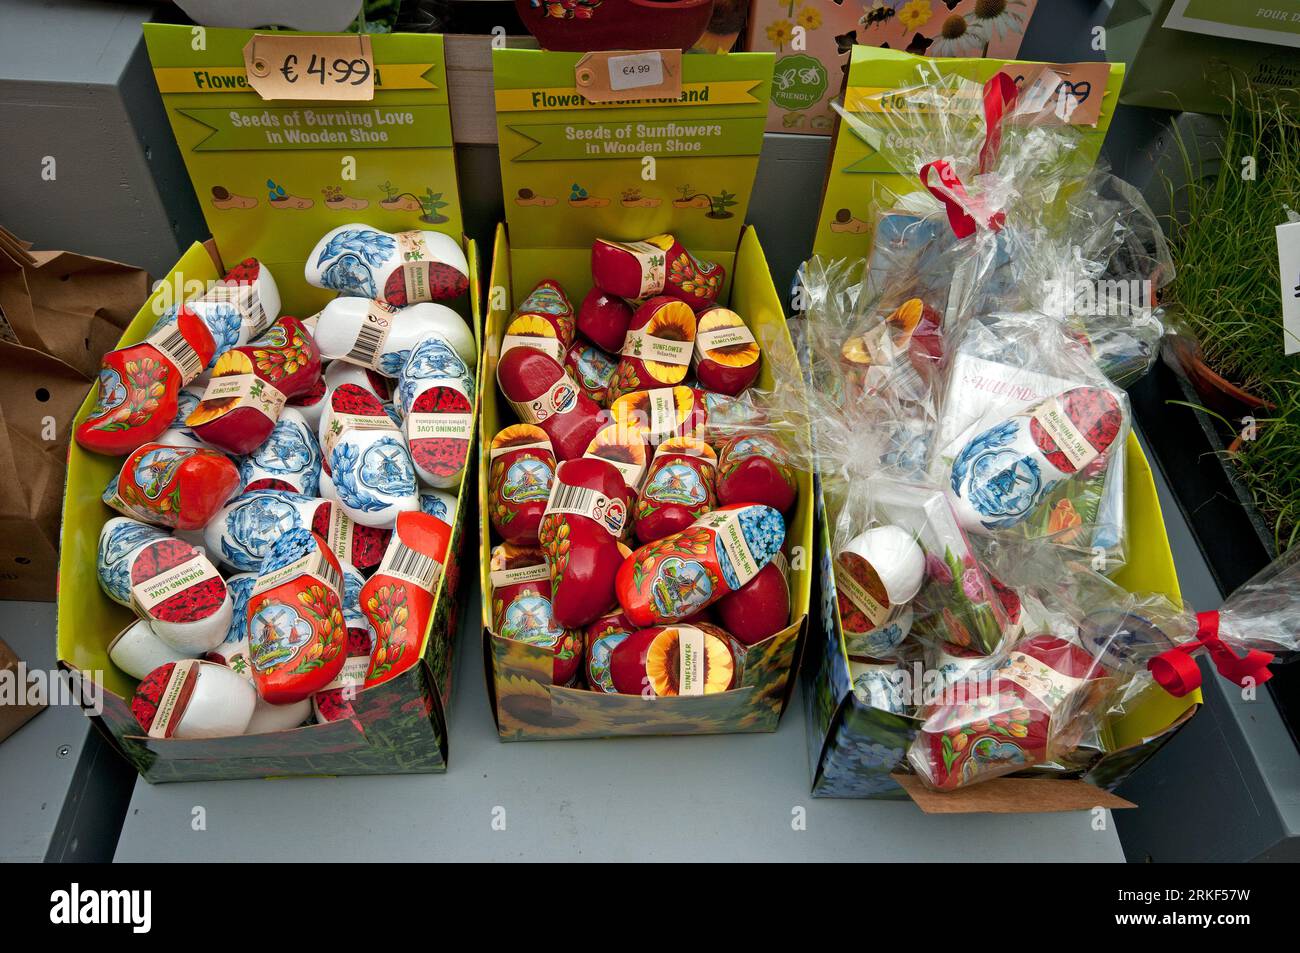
{"x": 410, "y": 565}
{"x": 560, "y": 398}
{"x": 194, "y": 571}
{"x": 1052, "y": 417}
{"x": 690, "y": 661}
{"x": 433, "y": 426}
{"x": 538, "y": 572}
{"x": 663, "y": 413}
{"x": 858, "y": 595}
{"x": 722, "y": 337}
{"x": 729, "y": 536}
{"x": 584, "y": 501}
{"x": 233, "y": 391}
{"x": 368, "y": 349}
{"x": 550, "y": 346}
{"x": 177, "y": 691}
{"x": 535, "y": 445}
{"x": 415, "y": 266}
{"x": 648, "y": 347}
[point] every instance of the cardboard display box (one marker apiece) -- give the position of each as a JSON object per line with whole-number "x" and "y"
{"x": 13, "y": 712}
{"x": 401, "y": 725}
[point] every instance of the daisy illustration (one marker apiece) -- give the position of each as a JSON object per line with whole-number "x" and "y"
{"x": 1000, "y": 19}
{"x": 959, "y": 38}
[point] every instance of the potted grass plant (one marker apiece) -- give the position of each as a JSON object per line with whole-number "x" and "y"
{"x": 1227, "y": 302}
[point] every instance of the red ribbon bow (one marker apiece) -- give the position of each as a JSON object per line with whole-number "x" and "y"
{"x": 1177, "y": 672}
{"x": 999, "y": 95}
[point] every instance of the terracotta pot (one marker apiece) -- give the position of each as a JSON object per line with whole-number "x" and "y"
{"x": 583, "y": 25}
{"x": 1219, "y": 394}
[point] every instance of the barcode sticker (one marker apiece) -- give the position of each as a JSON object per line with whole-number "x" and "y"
{"x": 176, "y": 693}
{"x": 538, "y": 572}
{"x": 411, "y": 565}
{"x": 584, "y": 501}
{"x": 648, "y": 347}
{"x": 1052, "y": 417}
{"x": 415, "y": 266}
{"x": 690, "y": 660}
{"x": 316, "y": 564}
{"x": 433, "y": 426}
{"x": 551, "y": 346}
{"x": 729, "y": 536}
{"x": 368, "y": 349}
{"x": 172, "y": 344}
{"x": 147, "y": 594}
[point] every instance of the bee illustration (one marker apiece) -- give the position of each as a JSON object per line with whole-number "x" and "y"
{"x": 877, "y": 15}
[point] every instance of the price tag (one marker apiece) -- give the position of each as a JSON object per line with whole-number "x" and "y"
{"x": 1288, "y": 257}
{"x": 294, "y": 66}
{"x": 623, "y": 76}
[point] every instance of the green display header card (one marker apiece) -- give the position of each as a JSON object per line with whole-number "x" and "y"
{"x": 573, "y": 171}
{"x": 273, "y": 177}
{"x": 860, "y": 182}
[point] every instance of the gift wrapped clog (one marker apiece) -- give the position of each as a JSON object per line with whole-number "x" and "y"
{"x": 658, "y": 347}
{"x": 521, "y": 469}
{"x": 522, "y": 611}
{"x": 180, "y": 593}
{"x": 398, "y": 598}
{"x": 296, "y": 633}
{"x": 252, "y": 383}
{"x": 367, "y": 459}
{"x": 678, "y": 488}
{"x": 401, "y": 267}
{"x": 877, "y": 573}
{"x": 243, "y": 531}
{"x": 193, "y": 699}
{"x": 631, "y": 270}
{"x": 138, "y": 385}
{"x": 379, "y": 337}
{"x": 629, "y": 451}
{"x": 239, "y": 307}
{"x": 677, "y": 576}
{"x": 542, "y": 393}
{"x": 662, "y": 413}
{"x": 673, "y": 660}
{"x": 585, "y": 517}
{"x": 177, "y": 487}
{"x": 436, "y": 401}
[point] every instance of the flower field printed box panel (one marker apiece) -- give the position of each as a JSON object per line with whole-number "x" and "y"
{"x": 396, "y": 727}
{"x": 527, "y": 702}
{"x": 812, "y": 40}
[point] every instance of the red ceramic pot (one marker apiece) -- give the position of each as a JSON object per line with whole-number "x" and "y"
{"x": 666, "y": 661}
{"x": 727, "y": 357}
{"x": 678, "y": 488}
{"x": 677, "y": 576}
{"x": 1005, "y": 722}
{"x": 585, "y": 516}
{"x": 541, "y": 393}
{"x": 521, "y": 468}
{"x": 136, "y": 399}
{"x": 398, "y": 598}
{"x": 584, "y": 25}
{"x": 251, "y": 384}
{"x": 522, "y": 610}
{"x": 753, "y": 469}
{"x": 178, "y": 487}
{"x": 657, "y": 350}
{"x": 759, "y": 609}
{"x": 604, "y": 318}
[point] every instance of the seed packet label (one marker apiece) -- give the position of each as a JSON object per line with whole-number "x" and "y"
{"x": 172, "y": 344}
{"x": 546, "y": 345}
{"x": 314, "y": 564}
{"x": 245, "y": 390}
{"x": 690, "y": 660}
{"x": 729, "y": 536}
{"x": 647, "y": 347}
{"x": 663, "y": 413}
{"x": 632, "y": 472}
{"x": 1069, "y": 439}
{"x": 535, "y": 445}
{"x": 170, "y": 705}
{"x": 857, "y": 594}
{"x": 1288, "y": 257}
{"x": 450, "y": 426}
{"x": 244, "y": 298}
{"x": 372, "y": 336}
{"x": 560, "y": 398}
{"x": 651, "y": 259}
{"x": 708, "y": 341}
{"x": 150, "y": 592}
{"x": 415, "y": 272}
{"x": 584, "y": 501}
{"x": 1039, "y": 679}
{"x": 340, "y": 424}
{"x": 352, "y": 674}
{"x": 339, "y": 534}
{"x": 410, "y": 565}
{"x": 538, "y": 572}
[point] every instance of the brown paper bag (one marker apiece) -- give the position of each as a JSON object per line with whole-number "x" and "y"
{"x": 13, "y": 715}
{"x": 59, "y": 313}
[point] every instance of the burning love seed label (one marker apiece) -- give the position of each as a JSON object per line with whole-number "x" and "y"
{"x": 449, "y": 426}
{"x": 1052, "y": 417}
{"x": 174, "y": 696}
{"x": 151, "y": 592}
{"x": 415, "y": 272}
